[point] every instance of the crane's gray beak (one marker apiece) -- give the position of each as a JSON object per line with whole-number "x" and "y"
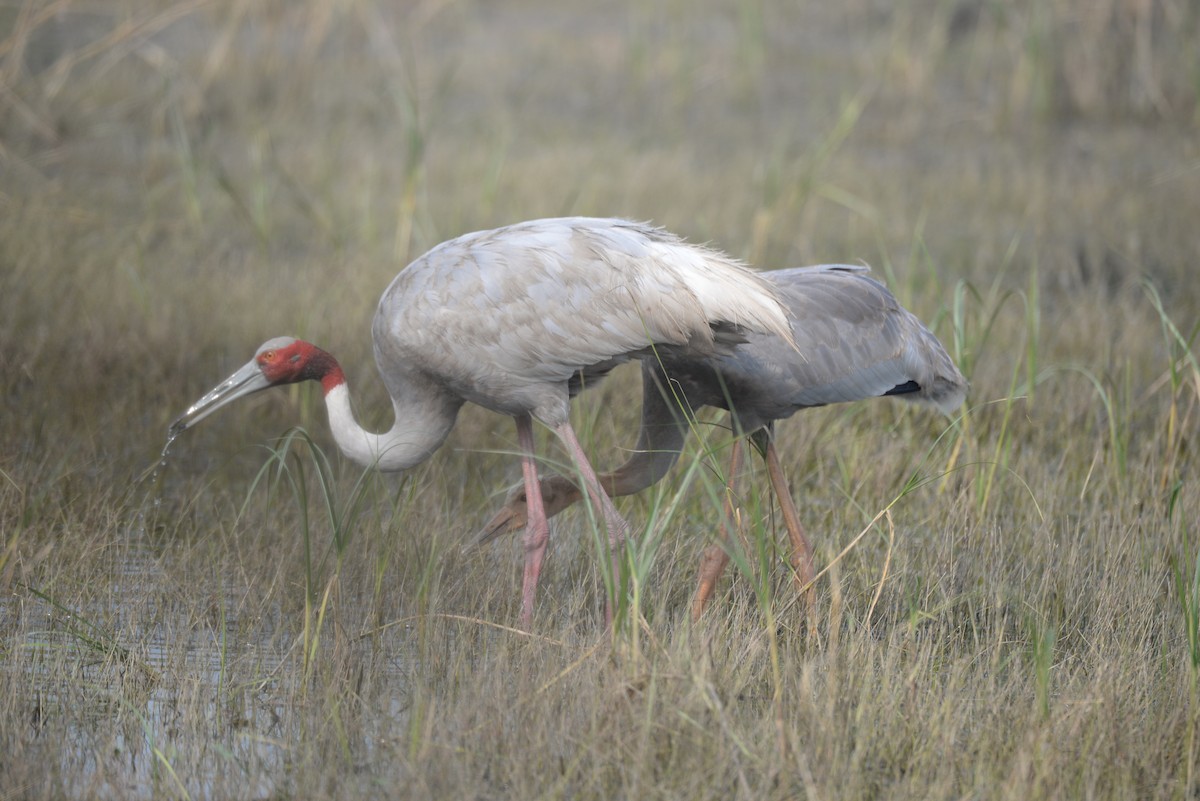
{"x": 501, "y": 523}
{"x": 247, "y": 380}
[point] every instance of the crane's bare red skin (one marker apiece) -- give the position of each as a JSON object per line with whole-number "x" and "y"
{"x": 301, "y": 361}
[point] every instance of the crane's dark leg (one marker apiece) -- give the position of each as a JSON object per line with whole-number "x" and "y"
{"x": 618, "y": 529}
{"x": 537, "y": 527}
{"x": 716, "y": 556}
{"x": 803, "y": 570}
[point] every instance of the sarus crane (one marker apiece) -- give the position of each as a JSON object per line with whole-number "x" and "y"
{"x": 517, "y": 320}
{"x": 851, "y": 340}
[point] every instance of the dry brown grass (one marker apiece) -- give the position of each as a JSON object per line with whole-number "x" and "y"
{"x": 179, "y": 181}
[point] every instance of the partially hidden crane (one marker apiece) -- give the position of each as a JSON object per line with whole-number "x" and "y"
{"x": 850, "y": 340}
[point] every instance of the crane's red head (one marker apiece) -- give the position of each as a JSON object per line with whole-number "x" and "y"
{"x": 283, "y": 360}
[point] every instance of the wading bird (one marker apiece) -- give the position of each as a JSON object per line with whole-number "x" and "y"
{"x": 517, "y": 320}
{"x": 852, "y": 340}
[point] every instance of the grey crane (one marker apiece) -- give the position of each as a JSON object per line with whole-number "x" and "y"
{"x": 852, "y": 340}
{"x": 517, "y": 320}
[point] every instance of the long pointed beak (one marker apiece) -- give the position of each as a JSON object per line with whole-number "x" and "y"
{"x": 247, "y": 380}
{"x": 501, "y": 523}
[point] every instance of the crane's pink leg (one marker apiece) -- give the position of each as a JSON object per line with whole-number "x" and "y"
{"x": 618, "y": 529}
{"x": 537, "y": 527}
{"x": 803, "y": 570}
{"x": 716, "y": 556}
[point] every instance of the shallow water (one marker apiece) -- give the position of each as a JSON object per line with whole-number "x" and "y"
{"x": 143, "y": 699}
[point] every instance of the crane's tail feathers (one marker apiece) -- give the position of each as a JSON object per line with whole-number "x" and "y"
{"x": 858, "y": 269}
{"x": 728, "y": 335}
{"x": 948, "y": 394}
{"x": 944, "y": 386}
{"x": 943, "y": 394}
{"x": 733, "y": 297}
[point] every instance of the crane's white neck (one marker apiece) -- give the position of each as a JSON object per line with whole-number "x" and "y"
{"x": 418, "y": 431}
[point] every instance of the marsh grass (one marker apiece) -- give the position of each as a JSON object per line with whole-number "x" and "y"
{"x": 1009, "y": 600}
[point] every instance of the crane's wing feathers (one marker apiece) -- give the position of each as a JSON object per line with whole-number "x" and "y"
{"x": 854, "y": 341}
{"x": 860, "y": 342}
{"x": 503, "y": 317}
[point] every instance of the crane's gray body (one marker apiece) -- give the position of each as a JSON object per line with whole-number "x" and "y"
{"x": 853, "y": 340}
{"x": 515, "y": 318}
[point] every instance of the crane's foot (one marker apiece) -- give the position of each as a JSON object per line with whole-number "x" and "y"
{"x": 712, "y": 565}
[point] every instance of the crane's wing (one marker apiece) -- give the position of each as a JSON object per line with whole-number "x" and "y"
{"x": 497, "y": 316}
{"x": 853, "y": 340}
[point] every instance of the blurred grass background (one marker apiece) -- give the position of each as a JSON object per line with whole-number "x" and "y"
{"x": 181, "y": 180}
